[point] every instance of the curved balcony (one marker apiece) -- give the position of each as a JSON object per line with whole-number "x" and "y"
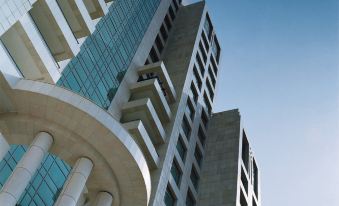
{"x": 80, "y": 130}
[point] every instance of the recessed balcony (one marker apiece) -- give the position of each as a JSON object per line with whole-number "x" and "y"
{"x": 95, "y": 8}
{"x": 54, "y": 29}
{"x": 144, "y": 110}
{"x": 159, "y": 71}
{"x": 151, "y": 89}
{"x": 28, "y": 53}
{"x": 77, "y": 17}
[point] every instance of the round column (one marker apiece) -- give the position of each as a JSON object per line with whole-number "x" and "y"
{"x": 4, "y": 146}
{"x": 25, "y": 169}
{"x": 104, "y": 199}
{"x": 75, "y": 183}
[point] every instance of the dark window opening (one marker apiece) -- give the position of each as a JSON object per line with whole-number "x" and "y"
{"x": 193, "y": 93}
{"x": 243, "y": 201}
{"x": 208, "y": 27}
{"x": 201, "y": 136}
{"x": 163, "y": 32}
{"x": 194, "y": 178}
{"x": 204, "y": 39}
{"x": 214, "y": 65}
{"x": 181, "y": 149}
{"x": 159, "y": 44}
{"x": 198, "y": 155}
{"x": 245, "y": 152}
{"x": 207, "y": 104}
{"x": 186, "y": 127}
{"x": 210, "y": 90}
{"x": 204, "y": 119}
{"x": 190, "y": 201}
{"x": 171, "y": 13}
{"x": 200, "y": 65}
{"x": 190, "y": 109}
{"x": 211, "y": 76}
{"x": 244, "y": 180}
{"x": 154, "y": 56}
{"x": 196, "y": 77}
{"x": 216, "y": 49}
{"x": 168, "y": 22}
{"x": 176, "y": 172}
{"x": 169, "y": 198}
{"x": 203, "y": 53}
{"x": 256, "y": 178}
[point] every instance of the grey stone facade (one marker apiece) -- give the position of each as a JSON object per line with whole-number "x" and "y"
{"x": 224, "y": 174}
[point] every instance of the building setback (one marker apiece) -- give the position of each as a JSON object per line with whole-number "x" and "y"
{"x": 110, "y": 102}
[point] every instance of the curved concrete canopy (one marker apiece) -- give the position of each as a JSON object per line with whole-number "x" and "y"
{"x": 80, "y": 128}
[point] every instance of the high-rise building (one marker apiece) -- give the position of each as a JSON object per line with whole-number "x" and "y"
{"x": 230, "y": 174}
{"x": 107, "y": 103}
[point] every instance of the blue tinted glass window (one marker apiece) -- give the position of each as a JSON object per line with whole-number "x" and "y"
{"x": 47, "y": 182}
{"x": 104, "y": 57}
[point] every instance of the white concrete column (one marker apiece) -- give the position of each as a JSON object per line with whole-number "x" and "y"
{"x": 103, "y": 199}
{"x": 75, "y": 183}
{"x": 25, "y": 169}
{"x": 4, "y": 146}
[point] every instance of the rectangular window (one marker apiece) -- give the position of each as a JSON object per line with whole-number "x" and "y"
{"x": 190, "y": 201}
{"x": 214, "y": 66}
{"x": 204, "y": 39}
{"x": 198, "y": 155}
{"x": 171, "y": 13}
{"x": 194, "y": 178}
{"x": 201, "y": 136}
{"x": 200, "y": 65}
{"x": 204, "y": 118}
{"x": 207, "y": 103}
{"x": 208, "y": 27}
{"x": 181, "y": 148}
{"x": 196, "y": 77}
{"x": 190, "y": 109}
{"x": 168, "y": 23}
{"x": 256, "y": 178}
{"x": 245, "y": 152}
{"x": 203, "y": 52}
{"x": 243, "y": 201}
{"x": 159, "y": 44}
{"x": 176, "y": 172}
{"x": 163, "y": 32}
{"x": 209, "y": 88}
{"x": 244, "y": 180}
{"x": 193, "y": 93}
{"x": 216, "y": 49}
{"x": 211, "y": 75}
{"x": 186, "y": 127}
{"x": 169, "y": 198}
{"x": 154, "y": 56}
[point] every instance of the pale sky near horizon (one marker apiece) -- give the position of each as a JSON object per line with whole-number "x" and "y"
{"x": 280, "y": 67}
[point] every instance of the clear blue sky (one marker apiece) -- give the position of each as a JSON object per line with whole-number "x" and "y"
{"x": 280, "y": 67}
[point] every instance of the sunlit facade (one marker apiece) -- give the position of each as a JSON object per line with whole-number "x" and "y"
{"x": 105, "y": 102}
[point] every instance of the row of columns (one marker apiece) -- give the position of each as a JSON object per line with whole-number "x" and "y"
{"x": 29, "y": 164}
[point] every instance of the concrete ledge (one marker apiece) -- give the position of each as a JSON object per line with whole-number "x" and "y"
{"x": 143, "y": 110}
{"x": 138, "y": 131}
{"x": 151, "y": 89}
